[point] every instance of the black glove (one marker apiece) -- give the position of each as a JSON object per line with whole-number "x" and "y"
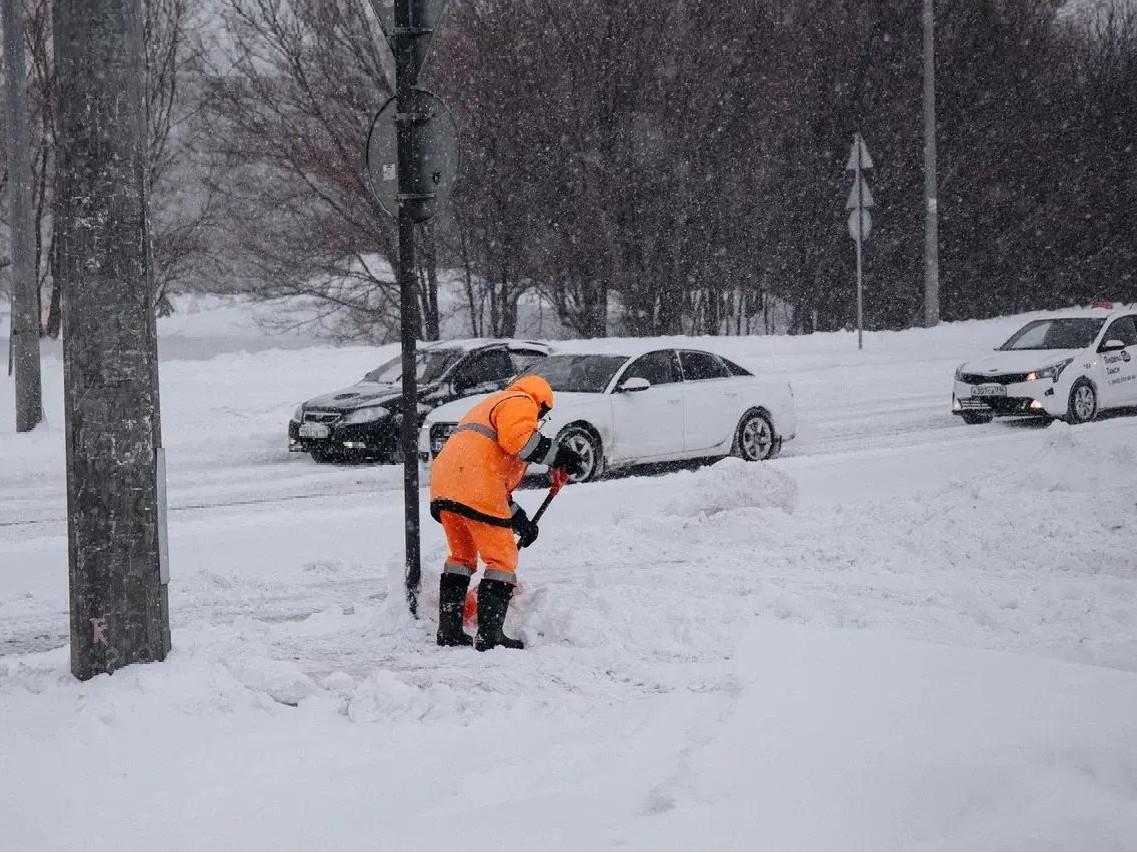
{"x": 525, "y": 529}
{"x": 569, "y": 460}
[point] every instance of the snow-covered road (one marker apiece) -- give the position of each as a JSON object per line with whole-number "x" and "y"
{"x": 905, "y": 633}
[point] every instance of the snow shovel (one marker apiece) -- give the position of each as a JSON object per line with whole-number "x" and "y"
{"x": 559, "y": 478}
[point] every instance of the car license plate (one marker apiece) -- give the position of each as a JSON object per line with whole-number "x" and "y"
{"x": 989, "y": 390}
{"x": 314, "y": 431}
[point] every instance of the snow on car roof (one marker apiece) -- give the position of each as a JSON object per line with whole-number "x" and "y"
{"x": 586, "y": 353}
{"x": 1109, "y": 309}
{"x": 468, "y": 344}
{"x": 626, "y": 347}
{"x": 721, "y": 345}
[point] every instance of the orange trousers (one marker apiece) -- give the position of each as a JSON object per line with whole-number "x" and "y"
{"x": 469, "y": 539}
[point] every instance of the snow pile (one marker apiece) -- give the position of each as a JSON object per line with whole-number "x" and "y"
{"x": 282, "y": 681}
{"x": 731, "y": 485}
{"x": 855, "y": 741}
{"x": 1087, "y": 460}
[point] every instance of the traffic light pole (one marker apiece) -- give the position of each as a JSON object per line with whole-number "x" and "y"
{"x": 406, "y": 72}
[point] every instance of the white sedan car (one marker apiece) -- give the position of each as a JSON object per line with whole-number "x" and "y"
{"x": 1069, "y": 366}
{"x": 657, "y": 406}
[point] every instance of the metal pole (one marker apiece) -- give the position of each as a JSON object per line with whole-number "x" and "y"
{"x": 860, "y": 237}
{"x": 23, "y": 342}
{"x": 405, "y": 73}
{"x": 931, "y": 202}
{"x": 860, "y": 298}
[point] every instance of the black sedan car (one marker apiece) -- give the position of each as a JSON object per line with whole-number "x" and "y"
{"x": 362, "y": 422}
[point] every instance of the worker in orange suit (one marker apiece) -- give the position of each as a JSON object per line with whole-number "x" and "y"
{"x": 471, "y": 494}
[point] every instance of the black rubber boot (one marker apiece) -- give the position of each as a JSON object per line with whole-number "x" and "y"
{"x": 493, "y": 603}
{"x": 451, "y": 603}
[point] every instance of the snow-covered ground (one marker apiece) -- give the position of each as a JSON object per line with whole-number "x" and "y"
{"x": 906, "y": 633}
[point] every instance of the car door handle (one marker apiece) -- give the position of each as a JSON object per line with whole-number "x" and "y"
{"x": 674, "y": 399}
{"x": 732, "y": 393}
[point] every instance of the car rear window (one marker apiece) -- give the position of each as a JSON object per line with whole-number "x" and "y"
{"x": 735, "y": 369}
{"x": 701, "y": 365}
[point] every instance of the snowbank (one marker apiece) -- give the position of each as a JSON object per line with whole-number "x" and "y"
{"x": 794, "y": 738}
{"x": 905, "y": 633}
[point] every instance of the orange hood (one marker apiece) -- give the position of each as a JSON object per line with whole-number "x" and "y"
{"x": 536, "y": 387}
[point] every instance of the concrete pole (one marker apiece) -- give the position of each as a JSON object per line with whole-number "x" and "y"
{"x": 119, "y": 598}
{"x": 24, "y": 359}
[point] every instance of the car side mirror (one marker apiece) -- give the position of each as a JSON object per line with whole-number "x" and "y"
{"x": 636, "y": 383}
{"x": 1112, "y": 345}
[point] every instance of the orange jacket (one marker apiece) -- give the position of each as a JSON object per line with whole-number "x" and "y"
{"x": 486, "y": 457}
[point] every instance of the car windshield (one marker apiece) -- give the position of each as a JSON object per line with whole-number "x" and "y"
{"x": 589, "y": 374}
{"x": 1058, "y": 333}
{"x": 431, "y": 365}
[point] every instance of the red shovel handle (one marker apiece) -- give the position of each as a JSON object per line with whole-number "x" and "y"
{"x": 559, "y": 478}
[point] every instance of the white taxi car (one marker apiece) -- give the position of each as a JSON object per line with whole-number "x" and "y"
{"x": 1071, "y": 366}
{"x": 661, "y": 405}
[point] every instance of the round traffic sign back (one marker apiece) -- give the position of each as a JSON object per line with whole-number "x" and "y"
{"x": 437, "y": 154}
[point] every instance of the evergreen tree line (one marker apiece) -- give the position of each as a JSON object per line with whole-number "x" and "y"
{"x": 667, "y": 166}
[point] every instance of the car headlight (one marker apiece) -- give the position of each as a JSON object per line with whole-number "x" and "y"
{"x": 366, "y": 415}
{"x": 298, "y": 415}
{"x": 1052, "y": 371}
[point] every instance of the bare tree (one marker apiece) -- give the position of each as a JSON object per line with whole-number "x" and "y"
{"x": 185, "y": 206}
{"x": 290, "y": 112}
{"x": 682, "y": 168}
{"x": 173, "y": 63}
{"x": 24, "y": 340}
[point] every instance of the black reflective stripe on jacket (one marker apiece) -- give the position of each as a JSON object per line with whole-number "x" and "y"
{"x": 441, "y": 505}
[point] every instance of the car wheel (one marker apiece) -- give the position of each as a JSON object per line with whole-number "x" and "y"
{"x": 587, "y": 444}
{"x": 320, "y": 455}
{"x": 974, "y": 418}
{"x": 755, "y": 441}
{"x": 1083, "y": 403}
